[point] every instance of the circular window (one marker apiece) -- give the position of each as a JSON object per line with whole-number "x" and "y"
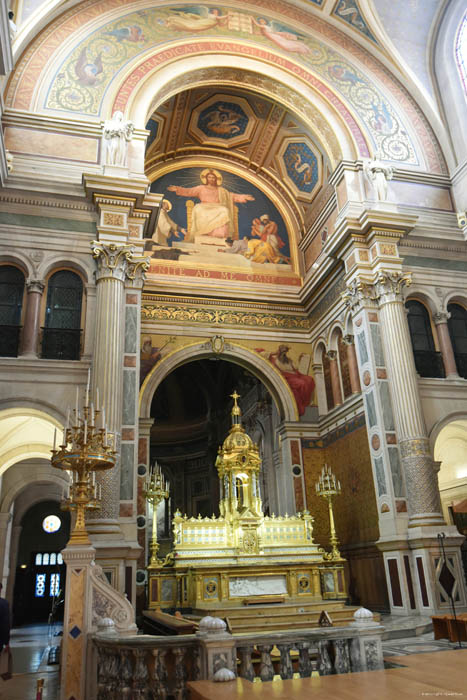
{"x": 51, "y": 523}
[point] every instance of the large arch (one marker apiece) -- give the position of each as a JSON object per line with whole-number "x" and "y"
{"x": 232, "y": 352}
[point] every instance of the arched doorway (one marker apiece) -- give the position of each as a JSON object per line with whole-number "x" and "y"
{"x": 451, "y": 450}
{"x": 191, "y": 409}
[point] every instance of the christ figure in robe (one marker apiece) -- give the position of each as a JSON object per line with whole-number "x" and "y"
{"x": 214, "y": 214}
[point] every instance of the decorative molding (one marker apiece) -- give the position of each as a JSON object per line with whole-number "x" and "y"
{"x": 51, "y": 203}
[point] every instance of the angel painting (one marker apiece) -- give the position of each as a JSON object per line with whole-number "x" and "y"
{"x": 195, "y": 19}
{"x": 223, "y": 120}
{"x": 282, "y": 36}
{"x": 88, "y": 71}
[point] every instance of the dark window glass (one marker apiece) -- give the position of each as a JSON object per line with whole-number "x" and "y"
{"x": 62, "y": 334}
{"x": 457, "y": 325}
{"x": 428, "y": 362}
{"x": 11, "y": 302}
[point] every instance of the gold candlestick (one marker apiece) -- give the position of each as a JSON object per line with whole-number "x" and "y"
{"x": 328, "y": 486}
{"x": 155, "y": 491}
{"x": 86, "y": 449}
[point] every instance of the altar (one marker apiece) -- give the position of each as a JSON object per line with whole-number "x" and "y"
{"x": 243, "y": 556}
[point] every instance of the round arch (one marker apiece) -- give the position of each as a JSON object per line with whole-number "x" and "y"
{"x": 232, "y": 352}
{"x": 25, "y": 433}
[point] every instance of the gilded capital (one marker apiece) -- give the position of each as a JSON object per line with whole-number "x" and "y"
{"x": 389, "y": 285}
{"x": 348, "y": 339}
{"x": 332, "y": 355}
{"x": 118, "y": 262}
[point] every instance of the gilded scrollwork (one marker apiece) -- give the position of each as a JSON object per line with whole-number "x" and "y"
{"x": 119, "y": 262}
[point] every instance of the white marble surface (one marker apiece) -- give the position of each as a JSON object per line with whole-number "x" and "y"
{"x": 257, "y": 585}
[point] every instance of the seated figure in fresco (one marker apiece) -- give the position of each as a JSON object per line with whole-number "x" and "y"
{"x": 302, "y": 385}
{"x": 214, "y": 214}
{"x": 265, "y": 243}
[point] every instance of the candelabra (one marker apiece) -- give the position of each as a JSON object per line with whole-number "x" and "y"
{"x": 328, "y": 486}
{"x": 155, "y": 491}
{"x": 86, "y": 449}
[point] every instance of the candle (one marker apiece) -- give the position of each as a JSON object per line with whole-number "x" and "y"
{"x": 92, "y": 413}
{"x": 85, "y": 430}
{"x": 77, "y": 398}
{"x": 97, "y": 399}
{"x": 55, "y": 438}
{"x": 87, "y": 387}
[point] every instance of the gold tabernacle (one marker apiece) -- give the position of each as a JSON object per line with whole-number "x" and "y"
{"x": 244, "y": 556}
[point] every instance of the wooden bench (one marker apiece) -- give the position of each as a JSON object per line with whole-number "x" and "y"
{"x": 444, "y": 627}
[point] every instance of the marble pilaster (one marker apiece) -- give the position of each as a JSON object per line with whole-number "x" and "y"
{"x": 31, "y": 328}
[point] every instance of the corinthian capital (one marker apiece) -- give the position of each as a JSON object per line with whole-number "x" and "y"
{"x": 118, "y": 262}
{"x": 359, "y": 294}
{"x": 389, "y": 285}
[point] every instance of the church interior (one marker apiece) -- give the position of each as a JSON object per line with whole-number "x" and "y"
{"x": 233, "y": 331}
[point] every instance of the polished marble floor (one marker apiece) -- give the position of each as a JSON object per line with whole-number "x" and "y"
{"x": 30, "y": 646}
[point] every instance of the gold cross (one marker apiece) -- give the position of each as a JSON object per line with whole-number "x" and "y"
{"x": 235, "y": 396}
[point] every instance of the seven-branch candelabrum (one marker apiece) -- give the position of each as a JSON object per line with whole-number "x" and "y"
{"x": 87, "y": 447}
{"x": 328, "y": 486}
{"x": 155, "y": 491}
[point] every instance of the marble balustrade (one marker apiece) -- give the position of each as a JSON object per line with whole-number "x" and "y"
{"x": 147, "y": 667}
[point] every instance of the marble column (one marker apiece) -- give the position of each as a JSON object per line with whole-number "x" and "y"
{"x": 115, "y": 264}
{"x": 422, "y": 486}
{"x": 318, "y": 374}
{"x": 14, "y": 546}
{"x": 31, "y": 328}
{"x": 353, "y": 364}
{"x": 441, "y": 321}
{"x": 335, "y": 379}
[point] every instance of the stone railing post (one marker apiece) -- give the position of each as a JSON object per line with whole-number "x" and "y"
{"x": 366, "y": 650}
{"x": 217, "y": 647}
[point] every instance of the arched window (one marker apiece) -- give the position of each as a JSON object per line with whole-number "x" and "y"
{"x": 62, "y": 334}
{"x": 457, "y": 325}
{"x": 461, "y": 52}
{"x": 428, "y": 362}
{"x": 11, "y": 302}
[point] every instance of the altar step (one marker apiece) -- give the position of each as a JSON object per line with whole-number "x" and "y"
{"x": 261, "y": 618}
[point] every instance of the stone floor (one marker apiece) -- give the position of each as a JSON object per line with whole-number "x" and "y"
{"x": 30, "y": 647}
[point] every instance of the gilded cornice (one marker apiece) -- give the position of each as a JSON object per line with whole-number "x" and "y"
{"x": 213, "y": 312}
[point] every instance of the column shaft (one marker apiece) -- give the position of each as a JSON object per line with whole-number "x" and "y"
{"x": 335, "y": 379}
{"x": 32, "y": 318}
{"x": 420, "y": 475}
{"x": 353, "y": 365}
{"x": 445, "y": 345}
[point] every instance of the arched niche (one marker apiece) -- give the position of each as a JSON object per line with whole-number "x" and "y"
{"x": 232, "y": 352}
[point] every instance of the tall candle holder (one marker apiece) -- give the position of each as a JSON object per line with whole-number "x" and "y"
{"x": 155, "y": 491}
{"x": 328, "y": 486}
{"x": 86, "y": 449}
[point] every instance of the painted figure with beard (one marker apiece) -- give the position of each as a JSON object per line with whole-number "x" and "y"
{"x": 214, "y": 214}
{"x": 302, "y": 385}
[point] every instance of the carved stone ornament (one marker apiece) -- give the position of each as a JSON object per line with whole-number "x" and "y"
{"x": 217, "y": 344}
{"x": 389, "y": 285}
{"x": 109, "y": 603}
{"x": 441, "y": 317}
{"x": 37, "y": 286}
{"x": 360, "y": 293}
{"x": 118, "y": 262}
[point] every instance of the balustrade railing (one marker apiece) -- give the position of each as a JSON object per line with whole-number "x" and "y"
{"x": 153, "y": 667}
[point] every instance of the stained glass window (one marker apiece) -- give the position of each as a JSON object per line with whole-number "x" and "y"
{"x": 38, "y": 559}
{"x": 40, "y": 585}
{"x": 51, "y": 523}
{"x": 461, "y": 52}
{"x": 45, "y": 559}
{"x": 53, "y": 559}
{"x": 54, "y": 585}
{"x": 59, "y": 558}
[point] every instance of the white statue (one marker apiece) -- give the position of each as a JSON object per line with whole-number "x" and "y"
{"x": 378, "y": 174}
{"x": 117, "y": 134}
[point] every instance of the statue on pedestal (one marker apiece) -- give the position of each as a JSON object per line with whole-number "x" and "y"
{"x": 117, "y": 133}
{"x": 378, "y": 174}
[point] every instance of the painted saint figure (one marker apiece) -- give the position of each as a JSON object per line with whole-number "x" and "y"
{"x": 166, "y": 226}
{"x": 302, "y": 385}
{"x": 117, "y": 133}
{"x": 214, "y": 215}
{"x": 265, "y": 243}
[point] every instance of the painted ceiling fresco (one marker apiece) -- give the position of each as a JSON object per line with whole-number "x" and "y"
{"x": 81, "y": 81}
